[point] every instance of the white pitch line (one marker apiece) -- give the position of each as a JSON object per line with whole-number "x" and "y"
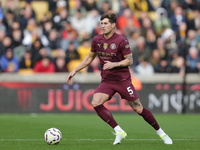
{"x": 97, "y": 139}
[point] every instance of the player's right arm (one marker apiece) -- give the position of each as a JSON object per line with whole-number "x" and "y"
{"x": 86, "y": 61}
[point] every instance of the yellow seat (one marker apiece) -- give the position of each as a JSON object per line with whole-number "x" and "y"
{"x": 71, "y": 4}
{"x": 152, "y": 15}
{"x": 53, "y": 53}
{"x": 22, "y": 4}
{"x": 25, "y": 71}
{"x": 73, "y": 64}
{"x": 41, "y": 8}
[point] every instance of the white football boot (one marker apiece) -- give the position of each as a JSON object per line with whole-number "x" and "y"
{"x": 119, "y": 137}
{"x": 166, "y": 139}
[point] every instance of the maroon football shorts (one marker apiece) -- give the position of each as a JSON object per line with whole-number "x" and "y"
{"x": 124, "y": 88}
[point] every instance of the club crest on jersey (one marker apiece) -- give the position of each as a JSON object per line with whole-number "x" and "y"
{"x": 112, "y": 46}
{"x": 105, "y": 45}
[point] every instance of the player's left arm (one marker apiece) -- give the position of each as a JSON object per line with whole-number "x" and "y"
{"x": 128, "y": 61}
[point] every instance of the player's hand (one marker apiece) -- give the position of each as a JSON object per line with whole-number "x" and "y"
{"x": 69, "y": 78}
{"x": 108, "y": 65}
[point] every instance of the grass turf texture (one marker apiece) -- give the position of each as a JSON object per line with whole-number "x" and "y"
{"x": 89, "y": 132}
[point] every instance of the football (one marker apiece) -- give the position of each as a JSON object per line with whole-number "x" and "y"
{"x": 53, "y": 136}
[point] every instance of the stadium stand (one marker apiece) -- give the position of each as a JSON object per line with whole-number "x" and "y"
{"x": 170, "y": 29}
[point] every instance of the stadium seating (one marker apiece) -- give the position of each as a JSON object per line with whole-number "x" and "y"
{"x": 73, "y": 64}
{"x": 40, "y": 8}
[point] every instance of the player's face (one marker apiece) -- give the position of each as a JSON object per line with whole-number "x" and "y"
{"x": 107, "y": 27}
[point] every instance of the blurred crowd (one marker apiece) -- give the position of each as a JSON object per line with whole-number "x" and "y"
{"x": 38, "y": 36}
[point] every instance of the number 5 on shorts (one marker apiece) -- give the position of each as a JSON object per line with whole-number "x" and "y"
{"x": 130, "y": 91}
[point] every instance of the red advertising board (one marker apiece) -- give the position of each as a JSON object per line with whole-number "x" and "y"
{"x": 19, "y": 97}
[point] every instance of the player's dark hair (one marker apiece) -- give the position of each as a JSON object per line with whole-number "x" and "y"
{"x": 111, "y": 16}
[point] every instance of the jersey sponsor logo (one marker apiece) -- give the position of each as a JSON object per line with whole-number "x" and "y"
{"x": 112, "y": 46}
{"x": 99, "y": 45}
{"x": 105, "y": 45}
{"x": 127, "y": 46}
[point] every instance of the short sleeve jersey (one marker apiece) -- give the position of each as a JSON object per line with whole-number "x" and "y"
{"x": 113, "y": 49}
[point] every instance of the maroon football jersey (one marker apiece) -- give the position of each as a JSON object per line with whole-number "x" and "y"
{"x": 113, "y": 49}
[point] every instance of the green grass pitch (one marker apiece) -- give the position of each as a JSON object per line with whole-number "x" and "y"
{"x": 89, "y": 132}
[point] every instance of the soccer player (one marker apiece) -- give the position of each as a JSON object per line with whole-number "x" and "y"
{"x": 115, "y": 56}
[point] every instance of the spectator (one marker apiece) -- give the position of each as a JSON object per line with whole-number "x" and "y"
{"x": 78, "y": 22}
{"x": 31, "y": 25}
{"x": 18, "y": 49}
{"x": 129, "y": 28}
{"x": 142, "y": 49}
{"x": 69, "y": 31}
{"x": 101, "y": 3}
{"x": 2, "y": 26}
{"x": 84, "y": 49}
{"x": 59, "y": 53}
{"x": 45, "y": 65}
{"x": 163, "y": 67}
{"x": 191, "y": 39}
{"x": 8, "y": 20}
{"x": 37, "y": 45}
{"x": 194, "y": 23}
{"x": 95, "y": 66}
{"x": 171, "y": 8}
{"x": 60, "y": 65}
{"x": 15, "y": 25}
{"x": 178, "y": 66}
{"x": 151, "y": 38}
{"x": 27, "y": 62}
{"x": 97, "y": 30}
{"x": 106, "y": 7}
{"x": 198, "y": 37}
{"x": 89, "y": 5}
{"x": 69, "y": 34}
{"x": 155, "y": 57}
{"x": 134, "y": 35}
{"x": 26, "y": 14}
{"x": 9, "y": 63}
{"x": 7, "y": 42}
{"x": 141, "y": 17}
{"x": 17, "y": 37}
{"x": 147, "y": 24}
{"x": 181, "y": 34}
{"x": 54, "y": 41}
{"x": 144, "y": 67}
{"x": 122, "y": 20}
{"x": 193, "y": 60}
{"x": 169, "y": 36}
{"x": 92, "y": 19}
{"x": 2, "y": 48}
{"x": 163, "y": 52}
{"x": 60, "y": 19}
{"x": 11, "y": 5}
{"x": 161, "y": 21}
{"x": 78, "y": 6}
{"x": 177, "y": 18}
{"x": 123, "y": 4}
{"x": 47, "y": 27}
{"x": 57, "y": 5}
{"x": 189, "y": 5}
{"x": 71, "y": 53}
{"x": 30, "y": 37}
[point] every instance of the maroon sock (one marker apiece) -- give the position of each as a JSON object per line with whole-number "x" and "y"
{"x": 105, "y": 115}
{"x": 148, "y": 117}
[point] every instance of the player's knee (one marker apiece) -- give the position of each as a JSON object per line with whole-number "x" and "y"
{"x": 95, "y": 103}
{"x": 138, "y": 110}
